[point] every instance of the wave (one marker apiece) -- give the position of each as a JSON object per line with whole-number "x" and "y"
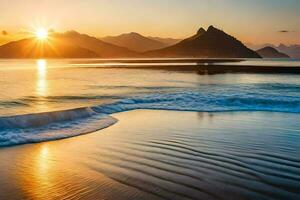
{"x": 46, "y": 126}
{"x": 12, "y": 103}
{"x": 213, "y": 98}
{"x": 203, "y": 102}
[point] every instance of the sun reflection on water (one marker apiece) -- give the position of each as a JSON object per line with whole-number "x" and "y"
{"x": 41, "y": 85}
{"x": 37, "y": 174}
{"x": 43, "y": 156}
{"x": 42, "y": 64}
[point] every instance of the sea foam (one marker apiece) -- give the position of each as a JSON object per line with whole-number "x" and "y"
{"x": 203, "y": 102}
{"x": 213, "y": 98}
{"x": 40, "y": 127}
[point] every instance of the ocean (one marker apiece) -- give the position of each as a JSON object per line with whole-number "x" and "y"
{"x": 168, "y": 133}
{"x": 37, "y": 93}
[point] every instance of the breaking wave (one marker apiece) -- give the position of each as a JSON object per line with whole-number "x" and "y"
{"x": 40, "y": 127}
{"x": 211, "y": 98}
{"x": 202, "y": 102}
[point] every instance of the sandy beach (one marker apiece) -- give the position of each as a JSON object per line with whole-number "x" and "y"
{"x": 151, "y": 154}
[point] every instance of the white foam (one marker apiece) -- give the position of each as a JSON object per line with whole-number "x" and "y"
{"x": 51, "y": 126}
{"x": 214, "y": 98}
{"x": 205, "y": 102}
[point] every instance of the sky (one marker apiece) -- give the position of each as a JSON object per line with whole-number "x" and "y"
{"x": 252, "y": 21}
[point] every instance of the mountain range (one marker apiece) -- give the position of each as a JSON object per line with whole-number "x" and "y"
{"x": 168, "y": 41}
{"x": 70, "y": 44}
{"x": 211, "y": 43}
{"x": 292, "y": 51}
{"x": 137, "y": 42}
{"x": 55, "y": 48}
{"x": 205, "y": 43}
{"x": 270, "y": 52}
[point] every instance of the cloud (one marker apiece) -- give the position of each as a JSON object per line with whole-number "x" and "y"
{"x": 4, "y": 32}
{"x": 285, "y": 31}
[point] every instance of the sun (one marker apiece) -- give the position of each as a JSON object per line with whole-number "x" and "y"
{"x": 41, "y": 33}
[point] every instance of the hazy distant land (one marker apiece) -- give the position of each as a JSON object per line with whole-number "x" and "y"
{"x": 270, "y": 52}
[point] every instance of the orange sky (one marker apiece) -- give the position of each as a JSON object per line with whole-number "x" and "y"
{"x": 254, "y": 21}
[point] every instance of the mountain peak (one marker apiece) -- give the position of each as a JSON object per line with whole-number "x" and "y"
{"x": 212, "y": 43}
{"x": 134, "y": 41}
{"x": 134, "y": 33}
{"x": 72, "y": 33}
{"x": 213, "y": 29}
{"x": 270, "y": 52}
{"x": 271, "y": 49}
{"x": 282, "y": 46}
{"x": 201, "y": 31}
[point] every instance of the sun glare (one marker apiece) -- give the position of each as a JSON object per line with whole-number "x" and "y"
{"x": 41, "y": 34}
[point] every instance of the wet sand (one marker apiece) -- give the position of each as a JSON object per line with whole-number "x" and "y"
{"x": 163, "y": 155}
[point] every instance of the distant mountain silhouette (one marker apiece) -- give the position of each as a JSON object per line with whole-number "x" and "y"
{"x": 135, "y": 42}
{"x": 102, "y": 49}
{"x": 211, "y": 43}
{"x": 270, "y": 52}
{"x": 256, "y": 47}
{"x": 64, "y": 45}
{"x": 167, "y": 41}
{"x": 291, "y": 50}
{"x": 32, "y": 48}
{"x": 71, "y": 44}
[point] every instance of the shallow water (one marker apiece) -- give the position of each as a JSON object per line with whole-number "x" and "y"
{"x": 163, "y": 155}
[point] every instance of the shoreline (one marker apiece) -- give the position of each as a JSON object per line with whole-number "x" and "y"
{"x": 152, "y": 154}
{"x": 91, "y": 123}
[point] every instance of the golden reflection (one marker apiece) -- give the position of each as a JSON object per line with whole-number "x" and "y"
{"x": 37, "y": 176}
{"x": 43, "y": 159}
{"x": 41, "y": 66}
{"x": 42, "y": 167}
{"x": 41, "y": 83}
